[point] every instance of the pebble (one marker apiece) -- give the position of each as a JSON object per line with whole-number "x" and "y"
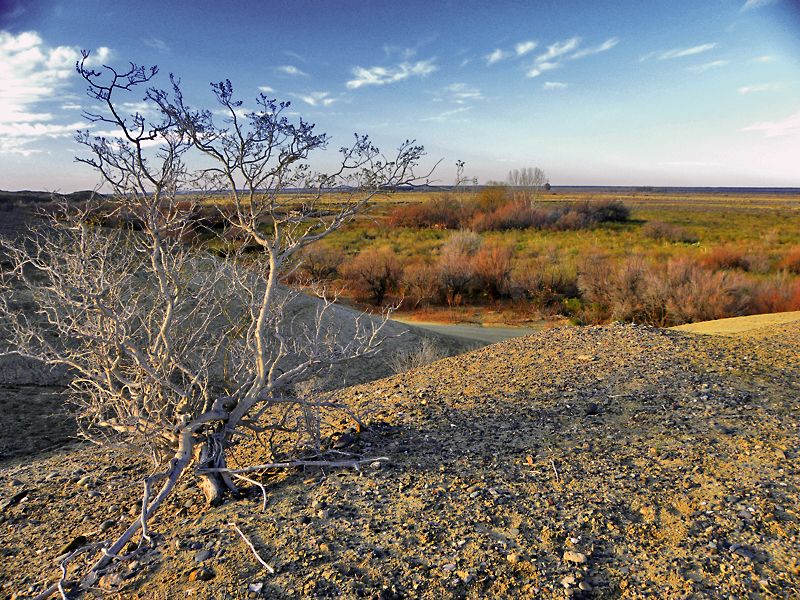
{"x": 513, "y": 558}
{"x": 202, "y": 574}
{"x": 107, "y": 524}
{"x": 574, "y": 557}
{"x": 203, "y": 555}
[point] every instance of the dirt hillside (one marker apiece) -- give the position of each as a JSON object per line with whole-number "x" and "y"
{"x": 599, "y": 462}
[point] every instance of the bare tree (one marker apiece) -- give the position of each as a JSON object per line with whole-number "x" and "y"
{"x": 170, "y": 350}
{"x": 527, "y": 183}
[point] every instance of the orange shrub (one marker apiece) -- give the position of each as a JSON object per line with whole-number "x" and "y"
{"x": 791, "y": 261}
{"x": 373, "y": 273}
{"x": 491, "y": 266}
{"x": 726, "y": 258}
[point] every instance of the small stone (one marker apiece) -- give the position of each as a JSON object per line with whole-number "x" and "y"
{"x": 76, "y": 543}
{"x": 304, "y": 520}
{"x": 255, "y": 587}
{"x": 449, "y": 567}
{"x": 84, "y": 481}
{"x": 202, "y": 574}
{"x": 323, "y": 514}
{"x": 203, "y": 555}
{"x": 583, "y": 586}
{"x": 376, "y": 466}
{"x": 343, "y": 441}
{"x": 574, "y": 557}
{"x": 568, "y": 581}
{"x": 107, "y": 524}
{"x": 592, "y": 409}
{"x": 513, "y": 558}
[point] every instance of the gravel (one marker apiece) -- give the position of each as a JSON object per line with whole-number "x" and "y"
{"x": 683, "y": 483}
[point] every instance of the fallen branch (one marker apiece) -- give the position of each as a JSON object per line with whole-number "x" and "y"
{"x": 298, "y": 463}
{"x": 254, "y": 482}
{"x": 553, "y": 464}
{"x": 252, "y": 547}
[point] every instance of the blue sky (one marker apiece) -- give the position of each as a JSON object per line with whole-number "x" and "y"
{"x": 594, "y": 92}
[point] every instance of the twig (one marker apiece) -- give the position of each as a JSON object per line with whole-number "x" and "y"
{"x": 297, "y": 463}
{"x": 254, "y": 482}
{"x": 252, "y": 547}
{"x": 553, "y": 464}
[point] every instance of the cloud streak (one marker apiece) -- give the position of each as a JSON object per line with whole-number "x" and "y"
{"x": 559, "y": 52}
{"x": 386, "y": 75}
{"x": 316, "y": 98}
{"x": 759, "y": 87}
{"x": 554, "y": 85}
{"x": 291, "y": 70}
{"x": 714, "y": 64}
{"x": 679, "y": 52}
{"x": 788, "y": 126}
{"x": 754, "y": 4}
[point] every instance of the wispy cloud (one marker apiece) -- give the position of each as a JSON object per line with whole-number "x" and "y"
{"x": 767, "y": 58}
{"x": 523, "y": 48}
{"x": 295, "y": 55}
{"x": 554, "y": 85}
{"x": 759, "y": 87}
{"x": 559, "y": 49}
{"x": 788, "y": 126}
{"x": 265, "y": 89}
{"x": 291, "y": 70}
{"x": 496, "y": 56}
{"x": 691, "y": 163}
{"x": 384, "y": 75}
{"x": 605, "y": 46}
{"x": 753, "y": 4}
{"x": 316, "y": 98}
{"x": 444, "y": 116}
{"x": 460, "y": 93}
{"x": 559, "y": 52}
{"x": 32, "y": 73}
{"x": 678, "y": 52}
{"x": 156, "y": 44}
{"x": 714, "y": 64}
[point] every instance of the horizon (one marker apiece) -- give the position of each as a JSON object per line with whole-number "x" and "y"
{"x": 596, "y": 94}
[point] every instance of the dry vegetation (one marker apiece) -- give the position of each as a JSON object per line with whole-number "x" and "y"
{"x": 600, "y": 462}
{"x": 644, "y": 257}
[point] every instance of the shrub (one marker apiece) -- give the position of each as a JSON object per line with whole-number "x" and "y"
{"x": 667, "y": 232}
{"x": 424, "y": 354}
{"x": 726, "y": 258}
{"x": 420, "y": 282}
{"x": 492, "y": 197}
{"x": 544, "y": 284}
{"x": 778, "y": 294}
{"x": 441, "y": 212}
{"x": 606, "y": 211}
{"x": 455, "y": 268}
{"x": 320, "y": 263}
{"x": 373, "y": 273}
{"x": 791, "y": 261}
{"x": 491, "y": 267}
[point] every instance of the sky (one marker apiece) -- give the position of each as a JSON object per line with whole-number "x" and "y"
{"x": 674, "y": 93}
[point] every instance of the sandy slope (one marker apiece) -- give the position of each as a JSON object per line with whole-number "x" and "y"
{"x": 740, "y": 325}
{"x": 596, "y": 462}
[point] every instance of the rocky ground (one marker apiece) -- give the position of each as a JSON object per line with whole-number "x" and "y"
{"x": 597, "y": 462}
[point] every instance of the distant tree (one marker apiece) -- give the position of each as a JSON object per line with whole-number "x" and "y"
{"x": 143, "y": 322}
{"x": 527, "y": 183}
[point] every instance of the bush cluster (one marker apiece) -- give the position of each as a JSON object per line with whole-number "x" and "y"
{"x": 494, "y": 209}
{"x": 468, "y": 269}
